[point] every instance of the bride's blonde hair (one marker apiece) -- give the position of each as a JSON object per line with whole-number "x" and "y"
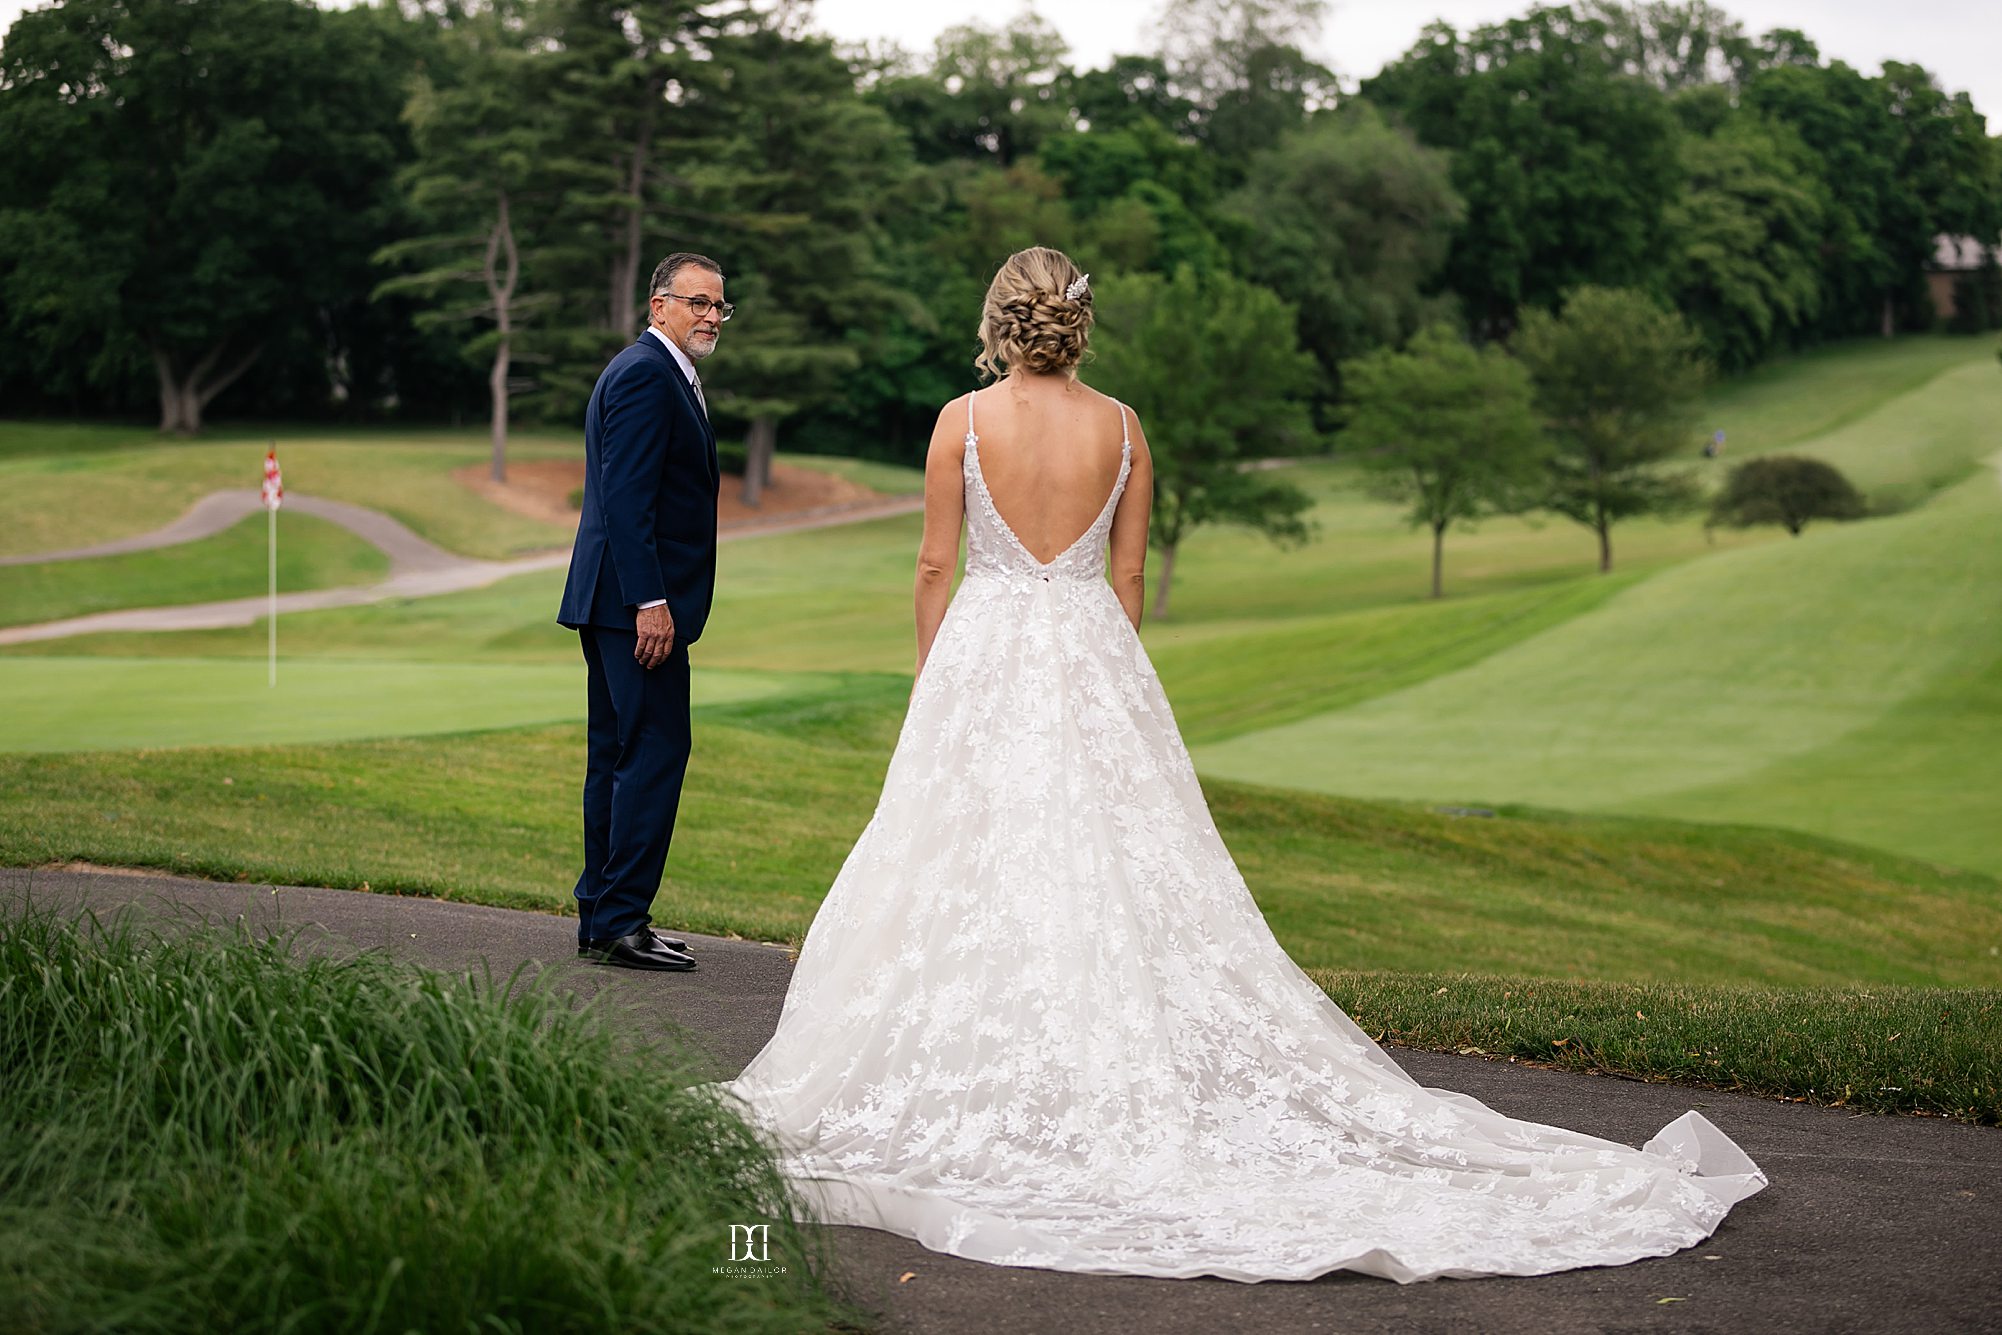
{"x": 1027, "y": 323}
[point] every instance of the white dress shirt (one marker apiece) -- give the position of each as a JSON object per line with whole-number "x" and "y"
{"x": 694, "y": 383}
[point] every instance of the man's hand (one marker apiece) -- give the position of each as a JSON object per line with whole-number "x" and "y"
{"x": 656, "y": 636}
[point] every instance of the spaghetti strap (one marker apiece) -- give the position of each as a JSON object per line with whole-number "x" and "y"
{"x": 970, "y": 434}
{"x": 1125, "y": 433}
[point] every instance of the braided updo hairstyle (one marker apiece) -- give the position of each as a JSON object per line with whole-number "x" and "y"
{"x": 1027, "y": 323}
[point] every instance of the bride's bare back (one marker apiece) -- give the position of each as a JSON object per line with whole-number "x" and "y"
{"x": 1049, "y": 453}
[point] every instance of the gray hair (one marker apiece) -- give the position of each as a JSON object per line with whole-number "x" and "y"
{"x": 665, "y": 272}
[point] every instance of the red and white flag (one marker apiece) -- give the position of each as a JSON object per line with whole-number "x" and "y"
{"x": 273, "y": 490}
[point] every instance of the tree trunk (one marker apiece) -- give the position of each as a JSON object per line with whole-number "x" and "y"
{"x": 624, "y": 309}
{"x": 1438, "y": 560}
{"x": 1890, "y": 322}
{"x": 1605, "y": 532}
{"x": 500, "y": 280}
{"x": 760, "y": 443}
{"x": 183, "y": 397}
{"x": 1167, "y": 579}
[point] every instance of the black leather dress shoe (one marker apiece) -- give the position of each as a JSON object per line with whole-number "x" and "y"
{"x": 641, "y": 950}
{"x": 586, "y": 948}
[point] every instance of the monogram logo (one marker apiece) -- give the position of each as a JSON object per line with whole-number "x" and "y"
{"x": 750, "y": 1242}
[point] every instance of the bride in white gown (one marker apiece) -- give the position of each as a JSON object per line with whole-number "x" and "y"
{"x": 1039, "y": 1020}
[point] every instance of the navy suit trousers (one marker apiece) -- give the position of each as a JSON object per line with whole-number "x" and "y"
{"x": 637, "y": 743}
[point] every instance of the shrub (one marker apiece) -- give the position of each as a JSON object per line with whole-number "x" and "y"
{"x": 1785, "y": 489}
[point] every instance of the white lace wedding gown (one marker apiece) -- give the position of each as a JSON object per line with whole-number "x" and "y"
{"x": 1039, "y": 1021}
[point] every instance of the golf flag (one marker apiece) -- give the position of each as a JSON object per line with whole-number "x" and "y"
{"x": 272, "y": 493}
{"x": 273, "y": 490}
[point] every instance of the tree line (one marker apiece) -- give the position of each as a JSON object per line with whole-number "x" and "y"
{"x": 446, "y": 209}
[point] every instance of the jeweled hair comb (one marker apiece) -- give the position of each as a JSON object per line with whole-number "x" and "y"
{"x": 1079, "y": 287}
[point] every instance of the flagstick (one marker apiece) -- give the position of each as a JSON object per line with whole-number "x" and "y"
{"x": 273, "y": 546}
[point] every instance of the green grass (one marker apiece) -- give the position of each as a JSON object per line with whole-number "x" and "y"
{"x": 890, "y": 479}
{"x": 312, "y": 554}
{"x": 95, "y": 704}
{"x": 205, "y": 1132}
{"x": 134, "y": 484}
{"x": 1874, "y": 1049}
{"x": 1848, "y": 683}
{"x": 1703, "y": 679}
{"x": 1765, "y": 941}
{"x": 779, "y": 789}
{"x": 1225, "y": 684}
{"x": 1793, "y": 399}
{"x": 1911, "y": 447}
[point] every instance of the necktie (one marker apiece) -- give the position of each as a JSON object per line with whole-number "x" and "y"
{"x": 695, "y": 381}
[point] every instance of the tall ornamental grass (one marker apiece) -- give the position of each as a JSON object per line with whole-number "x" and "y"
{"x": 204, "y": 1131}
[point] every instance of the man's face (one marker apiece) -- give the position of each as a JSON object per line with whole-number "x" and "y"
{"x": 693, "y": 334}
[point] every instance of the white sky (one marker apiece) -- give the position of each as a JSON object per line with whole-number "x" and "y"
{"x": 1960, "y": 41}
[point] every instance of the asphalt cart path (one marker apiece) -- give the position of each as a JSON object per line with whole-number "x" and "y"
{"x": 1871, "y": 1223}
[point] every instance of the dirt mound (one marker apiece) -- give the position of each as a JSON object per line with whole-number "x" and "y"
{"x": 542, "y": 489}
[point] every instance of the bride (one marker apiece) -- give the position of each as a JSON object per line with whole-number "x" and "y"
{"x": 1039, "y": 1021}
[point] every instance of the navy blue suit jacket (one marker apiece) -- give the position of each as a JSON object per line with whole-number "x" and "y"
{"x": 650, "y": 481}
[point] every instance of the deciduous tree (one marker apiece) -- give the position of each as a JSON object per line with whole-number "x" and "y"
{"x": 1211, "y": 363}
{"x": 1446, "y": 429}
{"x": 1616, "y": 376}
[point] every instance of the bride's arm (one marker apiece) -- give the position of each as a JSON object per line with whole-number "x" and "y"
{"x": 945, "y": 507}
{"x": 1129, "y": 530}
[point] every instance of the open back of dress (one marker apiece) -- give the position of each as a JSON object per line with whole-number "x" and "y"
{"x": 1040, "y": 1021}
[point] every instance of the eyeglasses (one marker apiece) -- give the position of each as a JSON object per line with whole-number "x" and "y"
{"x": 701, "y": 306}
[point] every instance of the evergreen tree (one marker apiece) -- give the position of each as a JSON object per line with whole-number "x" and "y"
{"x": 492, "y": 167}
{"x": 804, "y": 173}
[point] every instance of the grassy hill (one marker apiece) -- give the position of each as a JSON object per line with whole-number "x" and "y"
{"x": 779, "y": 789}
{"x": 57, "y": 482}
{"x": 1844, "y": 683}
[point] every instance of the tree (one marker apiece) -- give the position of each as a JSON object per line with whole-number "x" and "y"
{"x": 1672, "y": 45}
{"x": 1446, "y": 429}
{"x": 627, "y": 73}
{"x": 1241, "y": 64}
{"x": 1566, "y": 162}
{"x": 215, "y": 173}
{"x": 1744, "y": 239}
{"x": 491, "y": 163}
{"x": 1132, "y": 91}
{"x": 1211, "y": 364}
{"x": 1901, "y": 162}
{"x": 804, "y": 173}
{"x": 993, "y": 94}
{"x": 1615, "y": 378}
{"x": 1349, "y": 219}
{"x": 1785, "y": 489}
{"x": 1140, "y": 195}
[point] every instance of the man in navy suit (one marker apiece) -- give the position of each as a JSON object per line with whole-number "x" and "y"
{"x": 642, "y": 575}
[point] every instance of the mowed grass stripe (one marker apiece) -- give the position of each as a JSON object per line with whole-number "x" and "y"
{"x": 1919, "y": 443}
{"x": 96, "y": 704}
{"x": 1797, "y": 398}
{"x": 774, "y": 803}
{"x": 313, "y": 553}
{"x": 1922, "y": 778}
{"x": 1222, "y": 686}
{"x": 1701, "y": 675}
